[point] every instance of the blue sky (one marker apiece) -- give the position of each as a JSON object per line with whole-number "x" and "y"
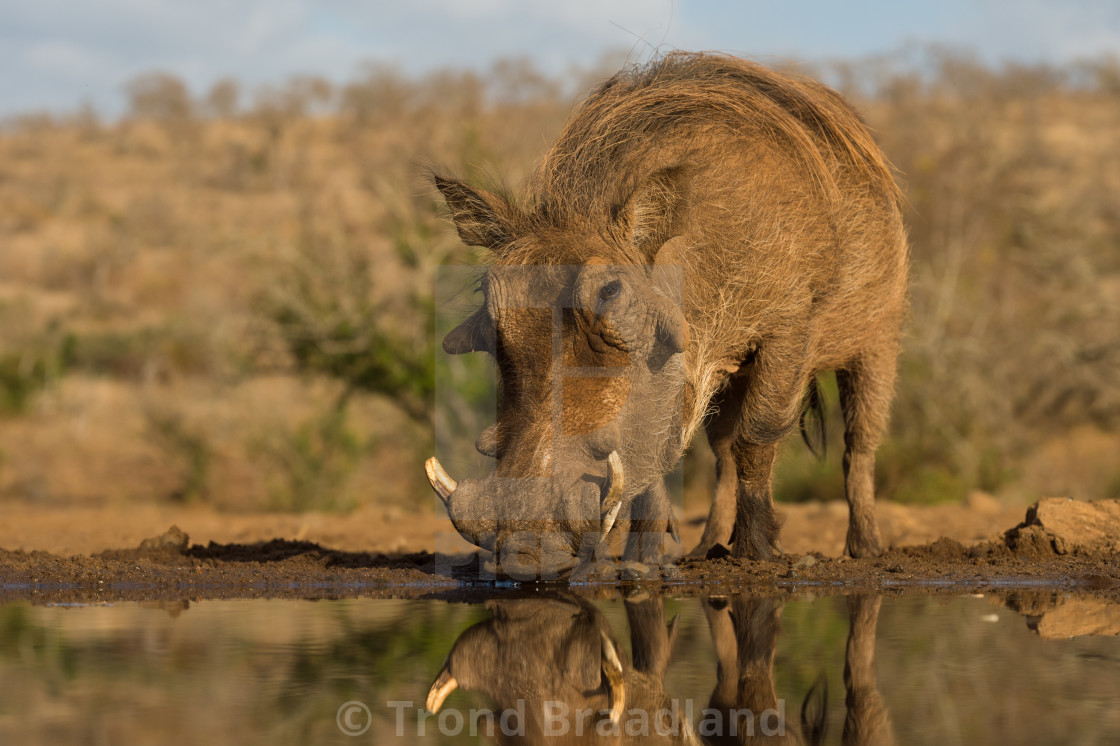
{"x": 55, "y": 54}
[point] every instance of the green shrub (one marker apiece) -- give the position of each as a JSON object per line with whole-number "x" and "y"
{"x": 188, "y": 448}
{"x": 312, "y": 464}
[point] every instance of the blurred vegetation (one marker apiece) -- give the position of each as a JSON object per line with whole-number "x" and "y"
{"x": 308, "y": 663}
{"x": 189, "y": 450}
{"x": 1013, "y": 178}
{"x": 312, "y": 463}
{"x": 229, "y": 295}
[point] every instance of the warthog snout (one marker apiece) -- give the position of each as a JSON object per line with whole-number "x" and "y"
{"x": 534, "y": 525}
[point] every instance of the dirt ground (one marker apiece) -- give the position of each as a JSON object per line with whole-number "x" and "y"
{"x": 128, "y": 552}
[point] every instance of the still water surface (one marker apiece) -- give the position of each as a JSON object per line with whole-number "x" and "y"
{"x": 908, "y": 670}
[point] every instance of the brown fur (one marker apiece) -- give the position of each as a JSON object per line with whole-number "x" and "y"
{"x": 781, "y": 212}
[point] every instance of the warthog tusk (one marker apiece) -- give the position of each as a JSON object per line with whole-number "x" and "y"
{"x": 444, "y": 684}
{"x": 673, "y": 529}
{"x": 616, "y": 483}
{"x": 611, "y": 667}
{"x": 608, "y": 521}
{"x": 441, "y": 483}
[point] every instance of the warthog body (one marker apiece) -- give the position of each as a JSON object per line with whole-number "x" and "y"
{"x": 705, "y": 237}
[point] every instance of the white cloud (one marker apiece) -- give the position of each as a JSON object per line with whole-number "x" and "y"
{"x": 54, "y": 53}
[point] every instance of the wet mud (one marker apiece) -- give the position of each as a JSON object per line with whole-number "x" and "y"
{"x": 1060, "y": 546}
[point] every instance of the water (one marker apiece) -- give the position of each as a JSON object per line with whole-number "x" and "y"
{"x": 937, "y": 670}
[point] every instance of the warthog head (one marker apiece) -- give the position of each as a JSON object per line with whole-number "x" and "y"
{"x": 586, "y": 330}
{"x": 555, "y": 661}
{"x": 541, "y": 648}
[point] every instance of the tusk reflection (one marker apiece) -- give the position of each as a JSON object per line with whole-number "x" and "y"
{"x": 444, "y": 684}
{"x": 612, "y": 671}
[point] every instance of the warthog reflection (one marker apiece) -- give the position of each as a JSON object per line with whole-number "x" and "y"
{"x": 745, "y": 636}
{"x": 556, "y": 674}
{"x": 554, "y": 662}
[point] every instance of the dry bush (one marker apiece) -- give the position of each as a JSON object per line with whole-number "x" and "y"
{"x": 223, "y": 99}
{"x": 161, "y": 97}
{"x": 1012, "y": 178}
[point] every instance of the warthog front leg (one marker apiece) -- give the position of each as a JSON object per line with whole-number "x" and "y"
{"x": 756, "y": 527}
{"x": 721, "y": 429}
{"x": 771, "y": 405}
{"x": 649, "y": 525}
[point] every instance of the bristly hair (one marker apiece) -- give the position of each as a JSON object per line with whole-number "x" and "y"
{"x": 776, "y": 189}
{"x": 699, "y": 94}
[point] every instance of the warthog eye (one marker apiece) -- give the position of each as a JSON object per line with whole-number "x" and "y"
{"x": 610, "y": 290}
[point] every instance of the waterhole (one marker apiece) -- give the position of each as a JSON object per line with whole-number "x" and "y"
{"x": 559, "y": 667}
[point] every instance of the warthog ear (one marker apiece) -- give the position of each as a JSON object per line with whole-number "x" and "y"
{"x": 481, "y": 218}
{"x": 648, "y": 216}
{"x": 476, "y": 334}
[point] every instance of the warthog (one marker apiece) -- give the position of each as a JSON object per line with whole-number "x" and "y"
{"x": 705, "y": 237}
{"x": 556, "y": 674}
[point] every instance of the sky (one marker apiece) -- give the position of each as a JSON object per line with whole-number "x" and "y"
{"x": 57, "y": 54}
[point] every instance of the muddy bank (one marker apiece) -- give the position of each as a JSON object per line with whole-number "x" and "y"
{"x": 1059, "y": 545}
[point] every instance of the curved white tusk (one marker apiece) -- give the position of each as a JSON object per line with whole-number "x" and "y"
{"x": 444, "y": 684}
{"x": 608, "y": 521}
{"x": 612, "y": 502}
{"x": 441, "y": 483}
{"x": 673, "y": 528}
{"x": 611, "y": 666}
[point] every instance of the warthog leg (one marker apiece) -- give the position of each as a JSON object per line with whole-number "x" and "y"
{"x": 865, "y": 397}
{"x": 721, "y": 435}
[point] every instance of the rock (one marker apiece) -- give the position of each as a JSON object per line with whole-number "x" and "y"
{"x": 634, "y": 571}
{"x": 173, "y": 538}
{"x": 802, "y": 564}
{"x": 1069, "y": 527}
{"x": 807, "y": 561}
